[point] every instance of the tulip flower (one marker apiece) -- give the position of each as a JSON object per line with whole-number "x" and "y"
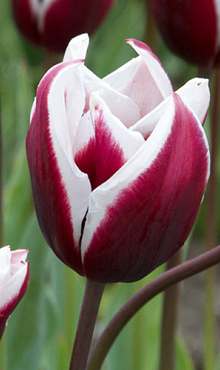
{"x": 14, "y": 276}
{"x": 52, "y": 23}
{"x": 118, "y": 165}
{"x": 190, "y": 29}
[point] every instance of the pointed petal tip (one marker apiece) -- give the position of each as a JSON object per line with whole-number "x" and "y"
{"x": 137, "y": 43}
{"x": 77, "y": 48}
{"x": 196, "y": 94}
{"x": 96, "y": 100}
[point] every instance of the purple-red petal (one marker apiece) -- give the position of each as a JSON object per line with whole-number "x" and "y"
{"x": 189, "y": 27}
{"x": 54, "y": 27}
{"x": 50, "y": 195}
{"x": 152, "y": 217}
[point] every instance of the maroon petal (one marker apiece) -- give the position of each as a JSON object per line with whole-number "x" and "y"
{"x": 26, "y": 20}
{"x": 145, "y": 221}
{"x": 52, "y": 26}
{"x": 52, "y": 168}
{"x": 190, "y": 28}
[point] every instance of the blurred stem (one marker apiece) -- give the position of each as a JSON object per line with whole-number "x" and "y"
{"x": 211, "y": 229}
{"x": 1, "y": 181}
{"x": 70, "y": 319}
{"x": 144, "y": 295}
{"x": 3, "y": 345}
{"x": 87, "y": 320}
{"x": 50, "y": 59}
{"x": 169, "y": 320}
{"x": 150, "y": 32}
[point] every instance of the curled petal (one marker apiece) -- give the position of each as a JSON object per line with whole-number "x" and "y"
{"x": 61, "y": 191}
{"x": 143, "y": 79}
{"x": 142, "y": 215}
{"x": 154, "y": 66}
{"x": 195, "y": 93}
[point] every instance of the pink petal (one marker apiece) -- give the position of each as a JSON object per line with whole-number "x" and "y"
{"x": 14, "y": 276}
{"x": 142, "y": 215}
{"x": 143, "y": 79}
{"x": 194, "y": 93}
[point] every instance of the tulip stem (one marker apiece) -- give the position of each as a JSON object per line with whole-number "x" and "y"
{"x": 87, "y": 319}
{"x": 169, "y": 320}
{"x": 3, "y": 348}
{"x": 211, "y": 229}
{"x": 144, "y": 295}
{"x": 150, "y": 32}
{"x": 1, "y": 182}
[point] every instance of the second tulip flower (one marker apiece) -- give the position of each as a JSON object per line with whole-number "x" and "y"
{"x": 191, "y": 28}
{"x": 118, "y": 165}
{"x": 52, "y": 23}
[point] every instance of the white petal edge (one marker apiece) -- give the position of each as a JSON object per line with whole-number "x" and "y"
{"x": 76, "y": 183}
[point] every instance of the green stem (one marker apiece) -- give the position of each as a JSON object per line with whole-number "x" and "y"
{"x": 3, "y": 345}
{"x": 211, "y": 229}
{"x": 87, "y": 319}
{"x": 150, "y": 32}
{"x": 169, "y": 320}
{"x": 144, "y": 295}
{"x": 1, "y": 182}
{"x": 50, "y": 59}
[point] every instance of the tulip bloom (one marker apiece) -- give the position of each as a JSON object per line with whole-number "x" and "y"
{"x": 118, "y": 165}
{"x": 14, "y": 276}
{"x": 52, "y": 23}
{"x": 191, "y": 29}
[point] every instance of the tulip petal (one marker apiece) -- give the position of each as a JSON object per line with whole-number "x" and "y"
{"x": 114, "y": 143}
{"x": 77, "y": 48}
{"x": 143, "y": 79}
{"x": 194, "y": 93}
{"x": 142, "y": 215}
{"x": 197, "y": 95}
{"x": 14, "y": 276}
{"x": 190, "y": 28}
{"x": 61, "y": 191}
{"x": 154, "y": 65}
{"x": 120, "y": 105}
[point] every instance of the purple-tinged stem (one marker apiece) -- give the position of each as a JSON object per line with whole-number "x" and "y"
{"x": 87, "y": 320}
{"x": 211, "y": 228}
{"x": 169, "y": 320}
{"x": 144, "y": 295}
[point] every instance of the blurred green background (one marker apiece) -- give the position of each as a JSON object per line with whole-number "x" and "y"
{"x": 40, "y": 332}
